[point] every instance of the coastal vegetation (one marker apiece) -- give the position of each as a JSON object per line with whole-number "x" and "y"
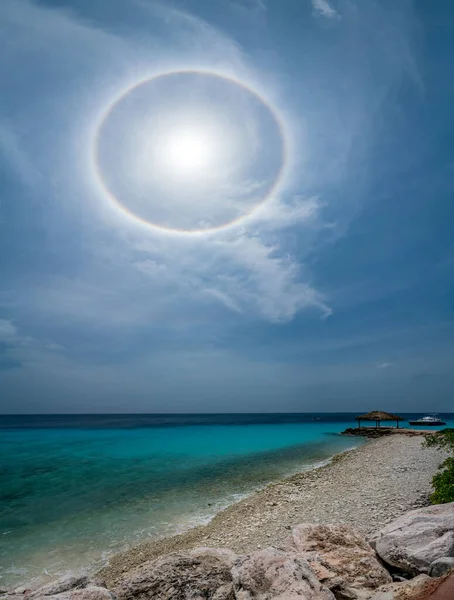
{"x": 443, "y": 481}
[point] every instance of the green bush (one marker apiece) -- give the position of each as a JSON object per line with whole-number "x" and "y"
{"x": 443, "y": 481}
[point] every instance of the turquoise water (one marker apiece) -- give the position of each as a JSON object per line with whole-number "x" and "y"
{"x": 76, "y": 489}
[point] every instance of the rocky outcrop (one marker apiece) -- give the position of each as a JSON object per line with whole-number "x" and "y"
{"x": 200, "y": 573}
{"x": 221, "y": 575}
{"x": 274, "y": 574}
{"x": 316, "y": 562}
{"x": 203, "y": 573}
{"x": 414, "y": 541}
{"x": 340, "y": 556}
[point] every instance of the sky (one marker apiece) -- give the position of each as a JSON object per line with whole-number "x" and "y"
{"x": 226, "y": 206}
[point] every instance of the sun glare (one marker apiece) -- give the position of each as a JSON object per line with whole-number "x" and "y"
{"x": 188, "y": 153}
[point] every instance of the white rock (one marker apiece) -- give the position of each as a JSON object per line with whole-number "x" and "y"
{"x": 415, "y": 540}
{"x": 271, "y": 574}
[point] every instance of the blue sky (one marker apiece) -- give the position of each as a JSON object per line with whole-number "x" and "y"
{"x": 337, "y": 294}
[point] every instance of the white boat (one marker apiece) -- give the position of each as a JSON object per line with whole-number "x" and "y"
{"x": 429, "y": 420}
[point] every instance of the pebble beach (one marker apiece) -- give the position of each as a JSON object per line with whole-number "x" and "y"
{"x": 366, "y": 487}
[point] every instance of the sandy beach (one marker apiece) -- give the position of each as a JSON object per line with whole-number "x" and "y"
{"x": 366, "y": 488}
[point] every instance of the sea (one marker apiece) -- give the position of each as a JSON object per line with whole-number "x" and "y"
{"x": 75, "y": 489}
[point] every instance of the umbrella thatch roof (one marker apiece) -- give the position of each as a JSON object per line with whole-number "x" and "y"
{"x": 378, "y": 415}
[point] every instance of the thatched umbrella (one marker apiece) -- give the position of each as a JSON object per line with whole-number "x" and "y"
{"x": 377, "y": 416}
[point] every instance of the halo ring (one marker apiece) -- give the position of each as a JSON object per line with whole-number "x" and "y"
{"x": 273, "y": 187}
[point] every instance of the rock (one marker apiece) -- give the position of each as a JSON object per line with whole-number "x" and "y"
{"x": 414, "y": 541}
{"x": 441, "y": 566}
{"x": 341, "y": 557}
{"x": 203, "y": 572}
{"x": 221, "y": 575}
{"x": 86, "y": 593}
{"x": 402, "y": 590}
{"x": 419, "y": 588}
{"x": 274, "y": 574}
{"x": 383, "y": 596}
{"x": 225, "y": 592}
{"x": 62, "y": 585}
{"x": 97, "y": 582}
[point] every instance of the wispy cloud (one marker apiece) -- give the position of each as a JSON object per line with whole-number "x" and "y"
{"x": 12, "y": 152}
{"x": 251, "y": 271}
{"x": 385, "y": 365}
{"x": 252, "y": 5}
{"x": 245, "y": 273}
{"x": 272, "y": 282}
{"x": 224, "y": 299}
{"x": 324, "y": 9}
{"x": 254, "y": 271}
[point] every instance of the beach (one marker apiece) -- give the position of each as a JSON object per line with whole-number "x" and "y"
{"x": 366, "y": 487}
{"x": 77, "y": 490}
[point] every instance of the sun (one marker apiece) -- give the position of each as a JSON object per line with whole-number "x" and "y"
{"x": 188, "y": 152}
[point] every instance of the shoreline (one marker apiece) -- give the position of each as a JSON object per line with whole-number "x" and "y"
{"x": 366, "y": 487}
{"x": 54, "y": 563}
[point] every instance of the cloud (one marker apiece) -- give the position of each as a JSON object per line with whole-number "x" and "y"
{"x": 226, "y": 300}
{"x": 256, "y": 271}
{"x": 277, "y": 215}
{"x": 385, "y": 365}
{"x": 265, "y": 281}
{"x": 12, "y": 152}
{"x": 7, "y": 330}
{"x": 251, "y": 5}
{"x": 324, "y": 9}
{"x": 252, "y": 271}
{"x": 248, "y": 270}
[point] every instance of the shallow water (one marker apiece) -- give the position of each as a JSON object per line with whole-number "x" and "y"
{"x": 75, "y": 489}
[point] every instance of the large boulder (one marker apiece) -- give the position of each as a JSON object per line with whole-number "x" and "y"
{"x": 340, "y": 556}
{"x": 273, "y": 574}
{"x": 415, "y": 540}
{"x": 200, "y": 573}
